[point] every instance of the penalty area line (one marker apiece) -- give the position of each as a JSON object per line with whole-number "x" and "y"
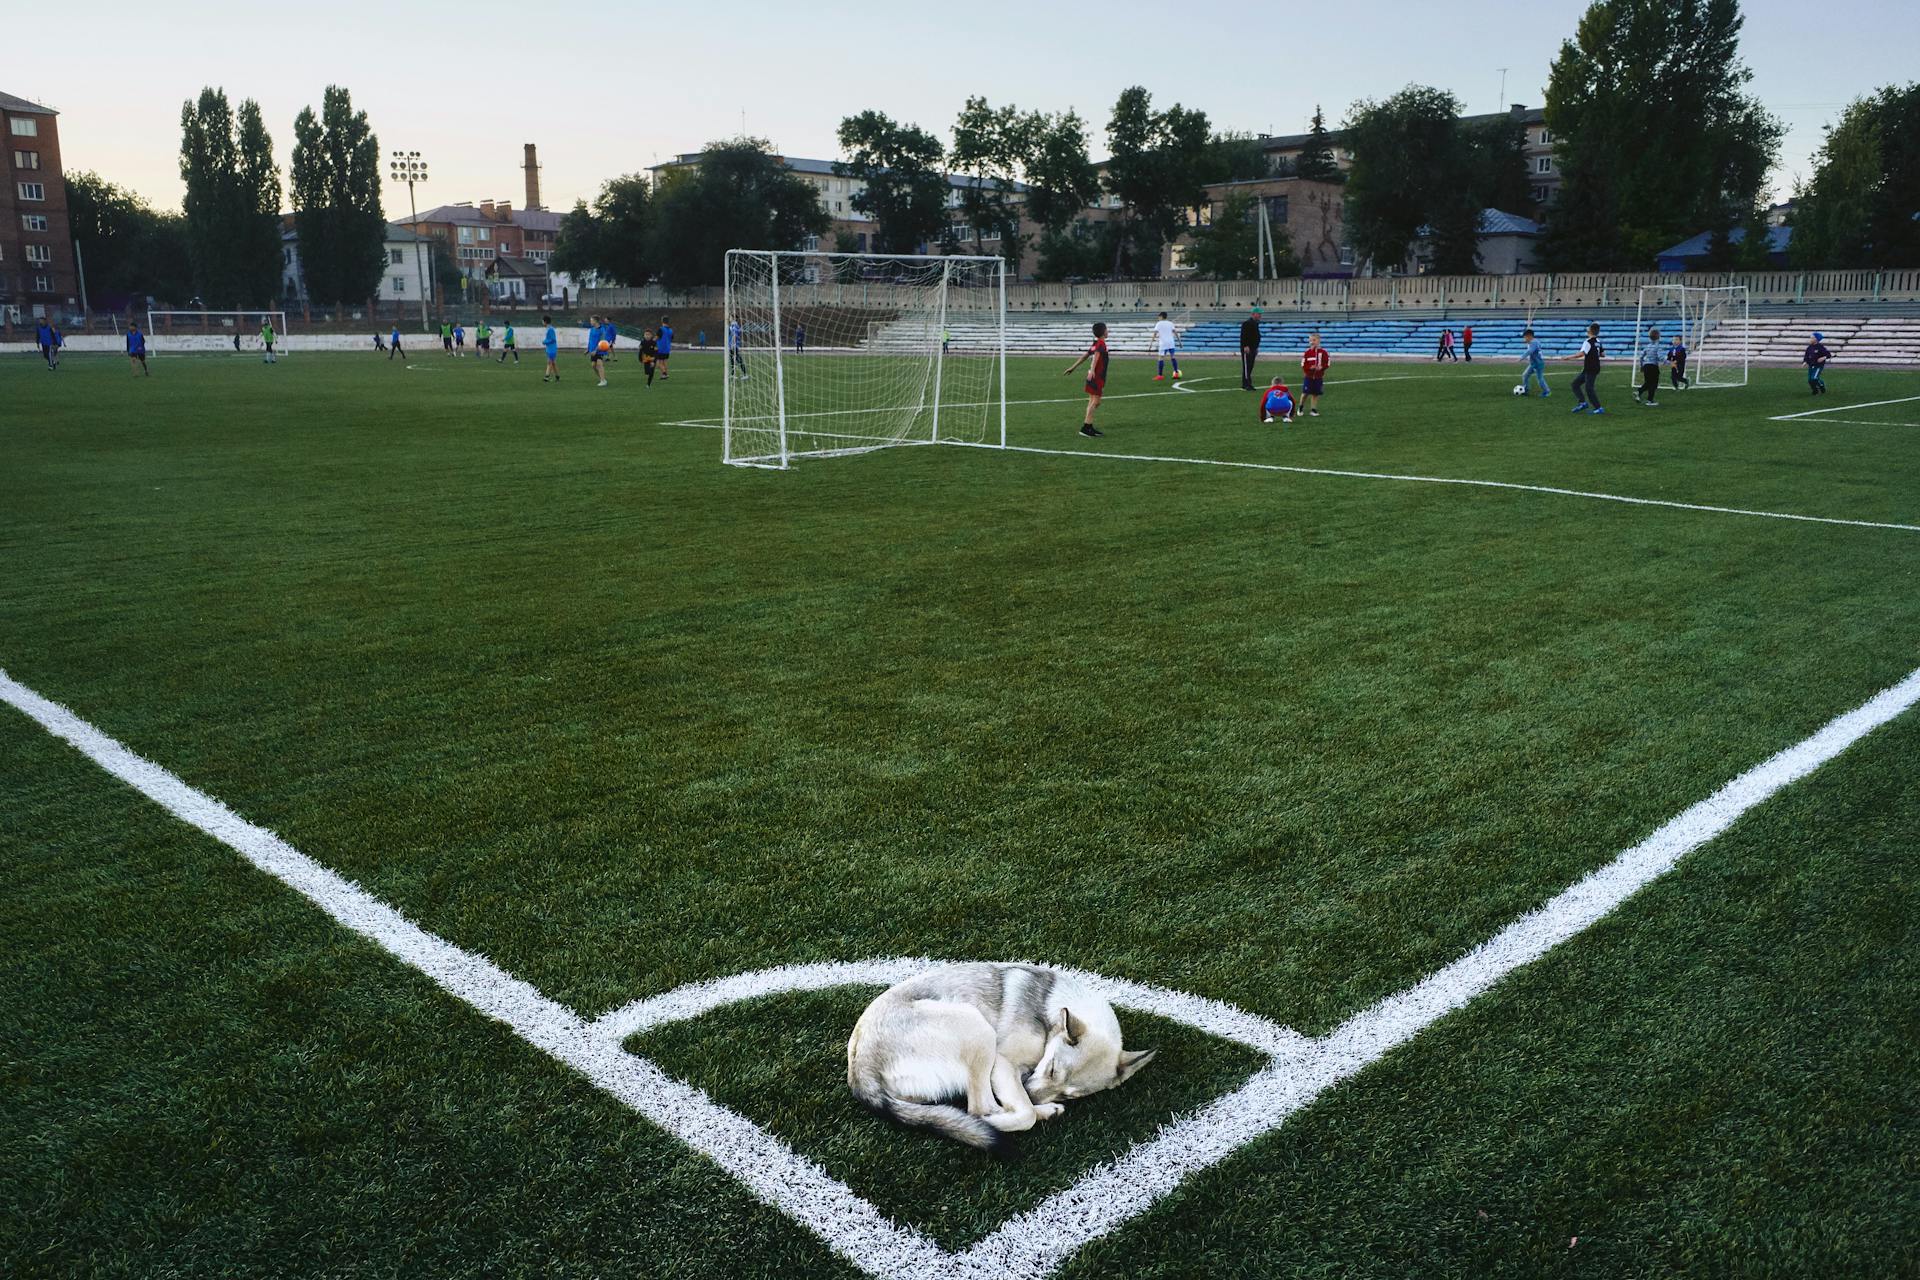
{"x": 1449, "y": 480}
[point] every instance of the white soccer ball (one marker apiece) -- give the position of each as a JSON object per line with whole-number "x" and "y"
{"x": 1520, "y": 390}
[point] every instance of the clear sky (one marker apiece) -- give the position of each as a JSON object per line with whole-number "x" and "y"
{"x": 469, "y": 82}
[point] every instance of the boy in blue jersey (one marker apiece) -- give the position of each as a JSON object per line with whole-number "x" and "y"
{"x": 137, "y": 350}
{"x": 736, "y": 359}
{"x": 1651, "y": 351}
{"x": 1536, "y": 362}
{"x": 550, "y": 343}
{"x": 663, "y": 344}
{"x": 1277, "y": 404}
{"x": 1815, "y": 358}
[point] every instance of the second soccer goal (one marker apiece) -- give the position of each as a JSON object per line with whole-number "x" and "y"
{"x": 838, "y": 353}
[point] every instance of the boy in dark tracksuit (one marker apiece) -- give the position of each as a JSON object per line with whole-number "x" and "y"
{"x": 649, "y": 353}
{"x": 1586, "y": 387}
{"x": 1816, "y": 357}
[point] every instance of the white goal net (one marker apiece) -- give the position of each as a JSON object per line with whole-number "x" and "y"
{"x": 834, "y": 353}
{"x": 1713, "y": 323}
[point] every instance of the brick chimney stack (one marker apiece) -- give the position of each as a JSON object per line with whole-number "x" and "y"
{"x": 532, "y": 167}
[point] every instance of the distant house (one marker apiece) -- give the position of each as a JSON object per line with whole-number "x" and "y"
{"x": 1691, "y": 254}
{"x": 1506, "y": 245}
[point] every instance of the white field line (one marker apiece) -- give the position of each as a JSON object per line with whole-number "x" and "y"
{"x": 1479, "y": 484}
{"x": 1841, "y": 408}
{"x": 1031, "y": 1244}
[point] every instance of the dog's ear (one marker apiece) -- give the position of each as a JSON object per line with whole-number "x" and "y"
{"x": 1075, "y": 1028}
{"x": 1132, "y": 1061}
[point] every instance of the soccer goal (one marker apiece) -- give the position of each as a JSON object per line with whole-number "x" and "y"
{"x": 1713, "y": 322}
{"x": 224, "y": 325}
{"x": 837, "y": 353}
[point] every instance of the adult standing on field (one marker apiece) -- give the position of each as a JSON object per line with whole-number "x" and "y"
{"x": 1249, "y": 349}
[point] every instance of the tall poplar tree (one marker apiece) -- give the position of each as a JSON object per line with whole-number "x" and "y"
{"x": 334, "y": 182}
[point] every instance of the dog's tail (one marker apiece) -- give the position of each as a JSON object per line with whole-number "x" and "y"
{"x": 947, "y": 1121}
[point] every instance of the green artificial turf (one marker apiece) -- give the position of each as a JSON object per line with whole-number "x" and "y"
{"x": 533, "y": 666}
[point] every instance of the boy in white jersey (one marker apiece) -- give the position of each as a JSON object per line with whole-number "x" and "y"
{"x": 1163, "y": 341}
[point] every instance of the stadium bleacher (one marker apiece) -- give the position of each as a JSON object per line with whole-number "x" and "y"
{"x": 1881, "y": 340}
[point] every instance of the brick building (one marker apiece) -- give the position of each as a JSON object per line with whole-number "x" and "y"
{"x": 37, "y": 276}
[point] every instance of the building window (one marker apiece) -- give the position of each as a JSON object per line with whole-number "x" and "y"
{"x": 26, "y": 159}
{"x": 32, "y": 190}
{"x": 33, "y": 221}
{"x": 23, "y": 127}
{"x": 396, "y": 257}
{"x": 1543, "y": 165}
{"x": 39, "y": 255}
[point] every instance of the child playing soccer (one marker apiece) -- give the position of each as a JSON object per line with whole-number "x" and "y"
{"x": 1586, "y": 387}
{"x": 1536, "y": 362}
{"x": 1313, "y": 372}
{"x": 1677, "y": 362}
{"x": 1647, "y": 393}
{"x": 1096, "y": 376}
{"x": 649, "y": 353}
{"x": 1277, "y": 404}
{"x": 1815, "y": 358}
{"x": 1163, "y": 342}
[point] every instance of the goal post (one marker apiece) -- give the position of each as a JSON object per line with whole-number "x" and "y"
{"x": 1715, "y": 323}
{"x": 225, "y": 325}
{"x": 838, "y": 353}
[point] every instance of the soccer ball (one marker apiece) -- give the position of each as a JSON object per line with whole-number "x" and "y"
{"x": 1520, "y": 390}
{"x": 604, "y": 345}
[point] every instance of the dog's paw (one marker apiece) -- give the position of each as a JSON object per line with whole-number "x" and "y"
{"x": 1048, "y": 1110}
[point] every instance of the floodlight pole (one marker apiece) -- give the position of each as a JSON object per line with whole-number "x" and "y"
{"x": 408, "y": 167}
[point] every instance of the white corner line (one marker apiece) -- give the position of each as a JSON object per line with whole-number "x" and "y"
{"x": 1030, "y": 1245}
{"x": 1407, "y": 479}
{"x": 1841, "y": 408}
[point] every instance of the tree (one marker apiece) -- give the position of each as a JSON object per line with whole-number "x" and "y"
{"x": 1408, "y": 159}
{"x": 1157, "y": 167}
{"x": 232, "y": 203}
{"x": 334, "y": 185}
{"x": 740, "y": 196}
{"x": 991, "y": 146}
{"x": 1637, "y": 70}
{"x": 257, "y": 242}
{"x": 1859, "y": 209}
{"x": 905, "y": 191}
{"x": 1061, "y": 180}
{"x": 615, "y": 239}
{"x": 1316, "y": 160}
{"x": 132, "y": 251}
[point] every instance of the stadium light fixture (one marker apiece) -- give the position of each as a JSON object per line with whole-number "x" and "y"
{"x": 410, "y": 167}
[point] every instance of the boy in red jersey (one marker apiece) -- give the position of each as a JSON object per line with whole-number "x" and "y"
{"x": 1096, "y": 376}
{"x": 1313, "y": 371}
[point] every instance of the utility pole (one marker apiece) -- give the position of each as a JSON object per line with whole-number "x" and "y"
{"x": 409, "y": 167}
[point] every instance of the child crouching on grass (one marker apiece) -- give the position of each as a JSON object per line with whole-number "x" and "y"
{"x": 1277, "y": 404}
